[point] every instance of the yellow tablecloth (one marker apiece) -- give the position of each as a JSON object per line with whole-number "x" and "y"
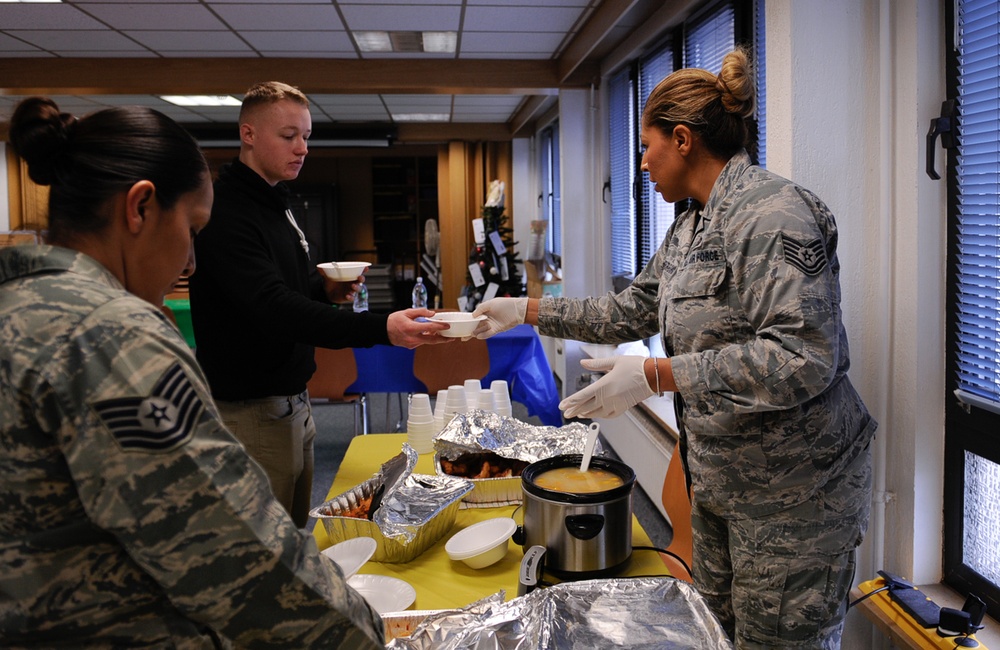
{"x": 439, "y": 582}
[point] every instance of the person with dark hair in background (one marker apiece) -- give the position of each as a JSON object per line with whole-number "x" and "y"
{"x": 745, "y": 291}
{"x": 259, "y": 305}
{"x": 131, "y": 516}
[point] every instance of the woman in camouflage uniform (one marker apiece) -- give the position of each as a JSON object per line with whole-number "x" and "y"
{"x": 131, "y": 517}
{"x": 745, "y": 291}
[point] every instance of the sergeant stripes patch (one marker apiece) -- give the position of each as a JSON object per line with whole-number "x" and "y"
{"x": 808, "y": 257}
{"x": 160, "y": 422}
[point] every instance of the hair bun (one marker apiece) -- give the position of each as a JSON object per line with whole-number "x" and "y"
{"x": 41, "y": 135}
{"x": 735, "y": 83}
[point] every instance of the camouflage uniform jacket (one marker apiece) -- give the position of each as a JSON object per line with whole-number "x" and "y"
{"x": 746, "y": 293}
{"x": 130, "y": 516}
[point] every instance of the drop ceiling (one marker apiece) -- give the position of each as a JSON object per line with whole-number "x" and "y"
{"x": 512, "y": 56}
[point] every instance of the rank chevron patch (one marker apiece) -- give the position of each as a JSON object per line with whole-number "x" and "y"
{"x": 809, "y": 257}
{"x": 162, "y": 421}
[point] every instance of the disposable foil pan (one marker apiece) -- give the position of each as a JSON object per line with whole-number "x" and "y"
{"x": 403, "y": 541}
{"x": 482, "y": 431}
{"x": 489, "y": 492}
{"x": 402, "y": 624}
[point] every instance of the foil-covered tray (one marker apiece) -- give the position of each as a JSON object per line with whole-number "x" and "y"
{"x": 651, "y": 612}
{"x": 416, "y": 510}
{"x": 509, "y": 438}
{"x": 402, "y": 624}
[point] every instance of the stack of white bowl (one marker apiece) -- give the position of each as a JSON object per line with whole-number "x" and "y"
{"x": 501, "y": 397}
{"x": 420, "y": 427}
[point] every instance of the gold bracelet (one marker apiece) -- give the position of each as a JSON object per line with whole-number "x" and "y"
{"x": 656, "y": 371}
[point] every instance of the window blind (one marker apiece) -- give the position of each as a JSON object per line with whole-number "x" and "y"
{"x": 759, "y": 61}
{"x": 622, "y": 147}
{"x": 978, "y": 205}
{"x": 656, "y": 215}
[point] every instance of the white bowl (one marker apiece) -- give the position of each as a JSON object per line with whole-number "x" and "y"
{"x": 343, "y": 271}
{"x": 350, "y": 555}
{"x": 460, "y": 323}
{"x": 482, "y": 544}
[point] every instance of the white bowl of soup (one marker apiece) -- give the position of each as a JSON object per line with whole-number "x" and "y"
{"x": 343, "y": 271}
{"x": 460, "y": 323}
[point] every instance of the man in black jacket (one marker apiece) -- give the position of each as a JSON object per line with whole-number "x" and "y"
{"x": 259, "y": 306}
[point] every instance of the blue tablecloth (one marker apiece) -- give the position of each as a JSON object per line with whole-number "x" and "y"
{"x": 515, "y": 355}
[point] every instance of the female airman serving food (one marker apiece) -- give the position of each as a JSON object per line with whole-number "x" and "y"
{"x": 745, "y": 290}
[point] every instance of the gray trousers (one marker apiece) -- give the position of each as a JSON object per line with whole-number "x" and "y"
{"x": 278, "y": 432}
{"x": 782, "y": 580}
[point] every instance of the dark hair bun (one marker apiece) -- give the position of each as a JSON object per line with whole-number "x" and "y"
{"x": 40, "y": 134}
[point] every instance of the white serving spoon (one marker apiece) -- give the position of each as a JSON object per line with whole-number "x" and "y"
{"x": 588, "y": 448}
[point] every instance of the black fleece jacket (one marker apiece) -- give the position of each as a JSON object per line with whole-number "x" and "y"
{"x": 257, "y": 301}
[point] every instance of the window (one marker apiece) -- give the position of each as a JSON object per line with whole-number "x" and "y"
{"x": 972, "y": 413}
{"x": 548, "y": 152}
{"x": 639, "y": 216}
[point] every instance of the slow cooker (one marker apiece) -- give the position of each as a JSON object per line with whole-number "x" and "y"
{"x": 584, "y": 535}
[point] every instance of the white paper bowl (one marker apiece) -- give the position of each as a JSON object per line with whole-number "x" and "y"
{"x": 350, "y": 555}
{"x": 343, "y": 271}
{"x": 482, "y": 544}
{"x": 460, "y": 323}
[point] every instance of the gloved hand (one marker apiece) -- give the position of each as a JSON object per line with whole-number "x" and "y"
{"x": 621, "y": 388}
{"x": 501, "y": 315}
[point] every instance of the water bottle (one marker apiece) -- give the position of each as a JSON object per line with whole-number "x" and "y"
{"x": 361, "y": 298}
{"x": 419, "y": 294}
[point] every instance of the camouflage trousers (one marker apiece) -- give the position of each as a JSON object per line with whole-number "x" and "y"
{"x": 782, "y": 580}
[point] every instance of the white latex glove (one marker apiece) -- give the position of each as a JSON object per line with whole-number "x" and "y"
{"x": 621, "y": 388}
{"x": 501, "y": 315}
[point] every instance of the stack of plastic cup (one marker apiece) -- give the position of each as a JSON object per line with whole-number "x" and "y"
{"x": 439, "y": 404}
{"x": 456, "y": 403}
{"x": 420, "y": 429}
{"x": 486, "y": 402}
{"x": 501, "y": 397}
{"x": 472, "y": 388}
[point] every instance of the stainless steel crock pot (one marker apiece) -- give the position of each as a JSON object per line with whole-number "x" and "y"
{"x": 584, "y": 534}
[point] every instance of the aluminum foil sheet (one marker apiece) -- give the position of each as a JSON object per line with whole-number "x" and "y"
{"x": 484, "y": 431}
{"x": 416, "y": 511}
{"x": 662, "y": 613}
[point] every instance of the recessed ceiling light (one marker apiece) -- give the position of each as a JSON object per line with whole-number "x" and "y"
{"x": 420, "y": 117}
{"x": 402, "y": 41}
{"x": 440, "y": 41}
{"x": 373, "y": 41}
{"x": 202, "y": 100}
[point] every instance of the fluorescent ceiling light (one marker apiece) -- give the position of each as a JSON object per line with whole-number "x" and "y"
{"x": 420, "y": 117}
{"x": 202, "y": 100}
{"x": 402, "y": 41}
{"x": 440, "y": 41}
{"x": 31, "y": 0}
{"x": 373, "y": 41}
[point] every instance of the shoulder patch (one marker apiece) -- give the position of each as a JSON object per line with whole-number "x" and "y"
{"x": 808, "y": 257}
{"x": 162, "y": 421}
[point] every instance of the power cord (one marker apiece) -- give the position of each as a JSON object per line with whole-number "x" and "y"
{"x": 665, "y": 551}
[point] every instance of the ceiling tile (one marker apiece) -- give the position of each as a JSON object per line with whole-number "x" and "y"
{"x": 44, "y": 16}
{"x": 163, "y": 15}
{"x": 75, "y": 41}
{"x": 511, "y": 43}
{"x": 191, "y": 41}
{"x": 402, "y": 17}
{"x": 521, "y": 19}
{"x": 301, "y": 40}
{"x": 281, "y": 17}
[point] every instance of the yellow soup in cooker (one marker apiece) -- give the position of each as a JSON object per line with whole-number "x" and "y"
{"x": 571, "y": 479}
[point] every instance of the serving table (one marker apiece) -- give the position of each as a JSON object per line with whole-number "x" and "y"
{"x": 441, "y": 583}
